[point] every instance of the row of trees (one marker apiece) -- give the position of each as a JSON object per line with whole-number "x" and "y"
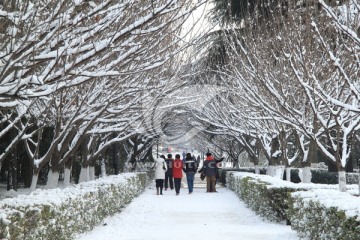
{"x": 289, "y": 74}
{"x": 79, "y": 78}
{"x": 92, "y": 81}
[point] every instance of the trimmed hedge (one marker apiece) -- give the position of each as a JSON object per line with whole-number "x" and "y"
{"x": 223, "y": 171}
{"x": 312, "y": 219}
{"x": 317, "y": 175}
{"x": 262, "y": 197}
{"x": 60, "y": 214}
{"x": 314, "y": 213}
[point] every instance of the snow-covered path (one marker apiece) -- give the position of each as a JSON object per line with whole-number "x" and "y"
{"x": 200, "y": 215}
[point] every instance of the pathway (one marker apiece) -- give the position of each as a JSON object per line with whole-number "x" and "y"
{"x": 201, "y": 215}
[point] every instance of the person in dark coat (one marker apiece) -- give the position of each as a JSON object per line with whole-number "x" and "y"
{"x": 169, "y": 173}
{"x": 190, "y": 170}
{"x": 177, "y": 169}
{"x": 210, "y": 171}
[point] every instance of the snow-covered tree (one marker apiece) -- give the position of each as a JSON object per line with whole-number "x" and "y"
{"x": 84, "y": 70}
{"x": 280, "y": 64}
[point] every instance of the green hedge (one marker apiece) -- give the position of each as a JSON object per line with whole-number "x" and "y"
{"x": 223, "y": 171}
{"x": 301, "y": 205}
{"x": 312, "y": 219}
{"x": 317, "y": 175}
{"x": 323, "y": 177}
{"x": 262, "y": 197}
{"x": 60, "y": 214}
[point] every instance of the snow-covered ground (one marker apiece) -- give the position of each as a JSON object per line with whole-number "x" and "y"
{"x": 208, "y": 216}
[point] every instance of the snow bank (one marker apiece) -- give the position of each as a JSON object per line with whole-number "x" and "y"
{"x": 60, "y": 213}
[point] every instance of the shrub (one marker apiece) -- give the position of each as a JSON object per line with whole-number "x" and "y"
{"x": 222, "y": 172}
{"x": 324, "y": 177}
{"x": 60, "y": 214}
{"x": 262, "y": 197}
{"x": 313, "y": 212}
{"x": 321, "y": 176}
{"x": 313, "y": 220}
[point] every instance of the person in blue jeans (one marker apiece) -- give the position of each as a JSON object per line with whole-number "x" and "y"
{"x": 190, "y": 169}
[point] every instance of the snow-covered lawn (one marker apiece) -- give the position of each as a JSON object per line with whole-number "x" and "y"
{"x": 200, "y": 215}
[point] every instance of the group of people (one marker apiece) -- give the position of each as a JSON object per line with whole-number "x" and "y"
{"x": 171, "y": 170}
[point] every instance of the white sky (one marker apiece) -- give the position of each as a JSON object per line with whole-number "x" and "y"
{"x": 198, "y": 22}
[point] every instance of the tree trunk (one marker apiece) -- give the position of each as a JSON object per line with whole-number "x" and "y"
{"x": 27, "y": 171}
{"x": 306, "y": 166}
{"x": 273, "y": 160}
{"x": 313, "y": 148}
{"x": 257, "y": 169}
{"x": 84, "y": 151}
{"x": 91, "y": 173}
{"x": 270, "y": 170}
{"x": 288, "y": 174}
{"x": 103, "y": 168}
{"x": 84, "y": 174}
{"x": 313, "y": 153}
{"x": 306, "y": 173}
{"x": 342, "y": 181}
{"x": 279, "y": 171}
{"x": 34, "y": 180}
{"x": 67, "y": 172}
{"x": 54, "y": 172}
{"x": 236, "y": 164}
{"x": 52, "y": 179}
{"x": 67, "y": 177}
{"x": 341, "y": 173}
{"x": 255, "y": 160}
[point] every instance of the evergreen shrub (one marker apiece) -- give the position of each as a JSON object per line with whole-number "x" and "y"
{"x": 314, "y": 213}
{"x": 223, "y": 171}
{"x": 71, "y": 211}
{"x": 323, "y": 177}
{"x": 313, "y": 220}
{"x": 263, "y": 198}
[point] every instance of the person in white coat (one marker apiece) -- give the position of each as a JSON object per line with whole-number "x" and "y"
{"x": 160, "y": 169}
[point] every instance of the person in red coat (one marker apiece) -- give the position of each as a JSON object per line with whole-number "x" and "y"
{"x": 177, "y": 172}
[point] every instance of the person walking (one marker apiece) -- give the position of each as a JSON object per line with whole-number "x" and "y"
{"x": 190, "y": 170}
{"x": 160, "y": 169}
{"x": 177, "y": 169}
{"x": 169, "y": 181}
{"x": 210, "y": 172}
